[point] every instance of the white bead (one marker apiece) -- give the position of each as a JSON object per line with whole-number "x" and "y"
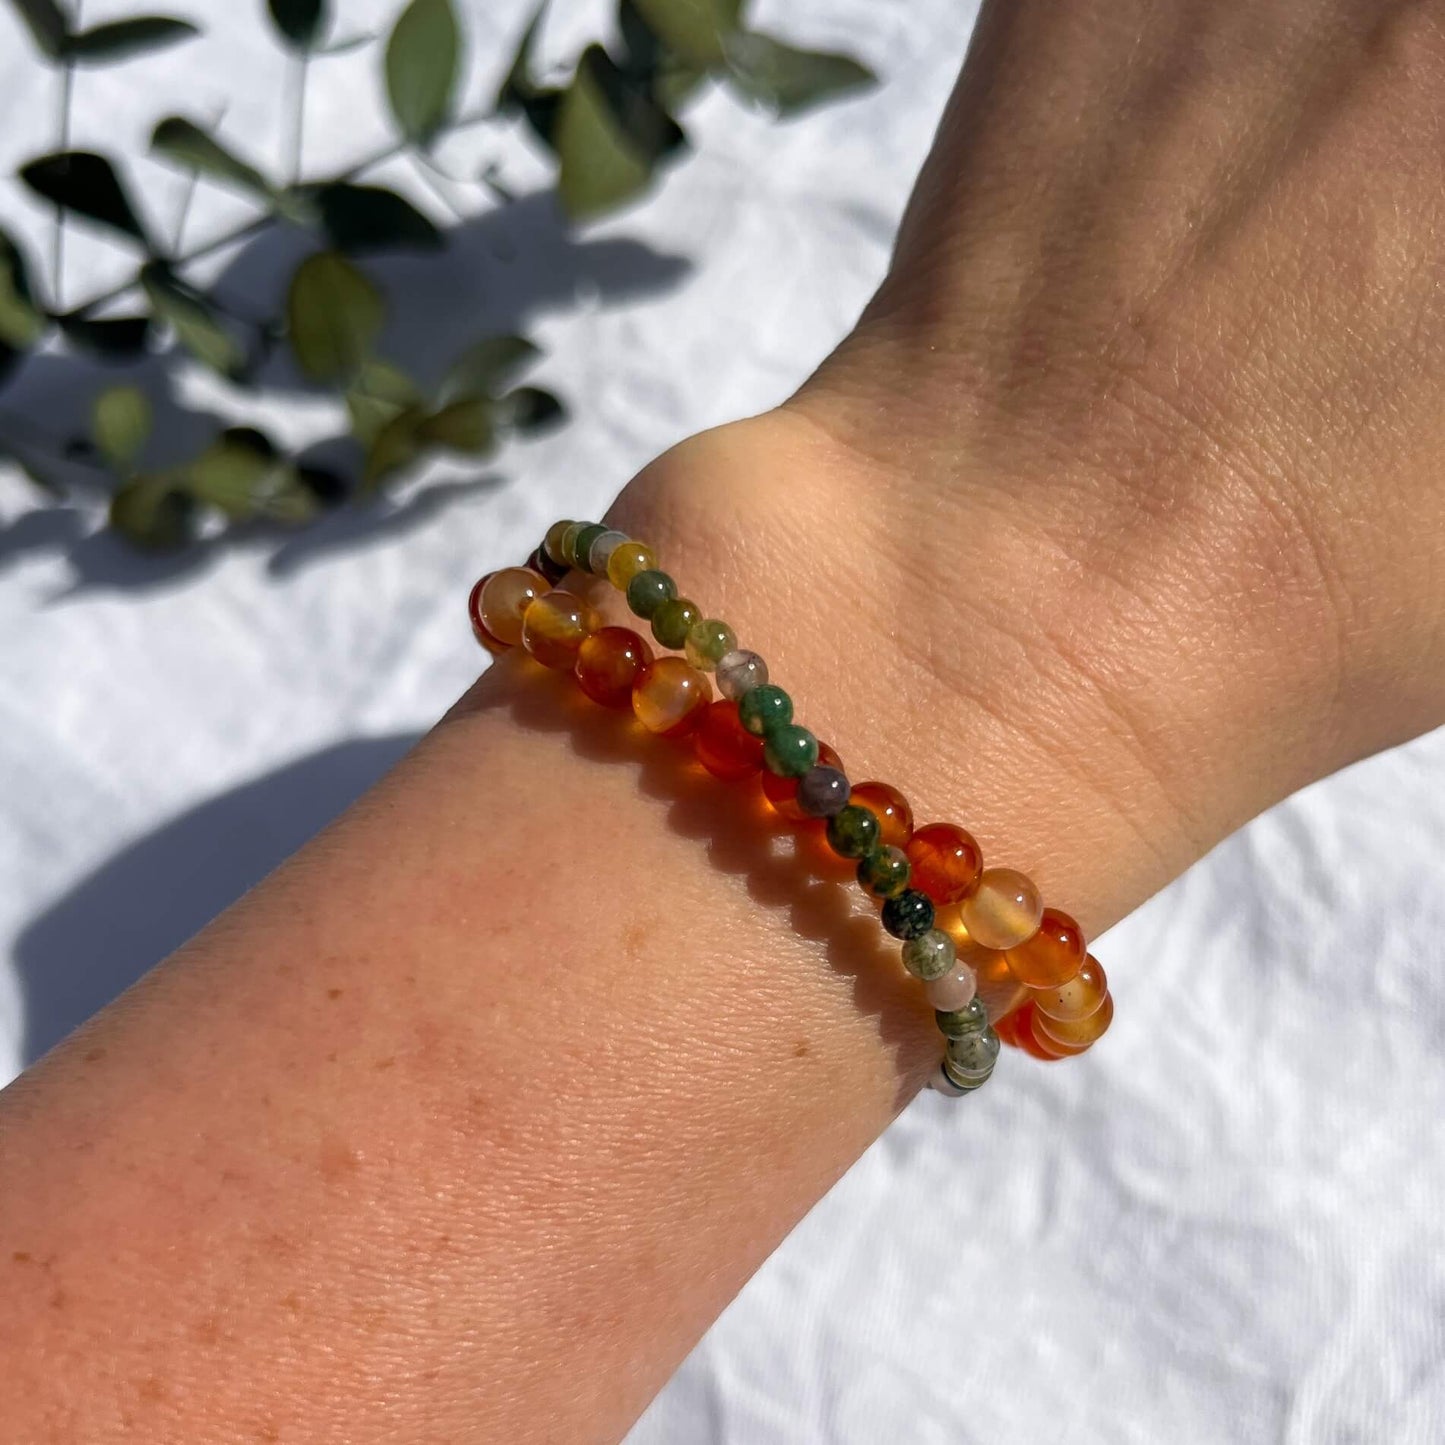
{"x": 739, "y": 671}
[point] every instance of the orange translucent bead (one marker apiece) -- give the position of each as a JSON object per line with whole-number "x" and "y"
{"x": 946, "y": 861}
{"x": 1003, "y": 910}
{"x": 724, "y": 746}
{"x": 670, "y": 696}
{"x": 782, "y": 792}
{"x": 894, "y": 814}
{"x": 554, "y": 627}
{"x": 1007, "y": 1028}
{"x": 504, "y": 599}
{"x": 1053, "y": 955}
{"x": 1081, "y": 996}
{"x": 1033, "y": 1041}
{"x": 494, "y": 645}
{"x": 1076, "y": 1036}
{"x": 608, "y": 663}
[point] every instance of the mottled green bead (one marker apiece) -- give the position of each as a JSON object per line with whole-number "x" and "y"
{"x": 649, "y": 590}
{"x": 789, "y": 751}
{"x": 582, "y": 545}
{"x": 673, "y": 620}
{"x": 955, "y": 1023}
{"x": 909, "y": 915}
{"x": 708, "y": 641}
{"x": 853, "y": 832}
{"x": 970, "y": 1058}
{"x": 568, "y": 549}
{"x": 930, "y": 955}
{"x": 884, "y": 871}
{"x": 766, "y": 707}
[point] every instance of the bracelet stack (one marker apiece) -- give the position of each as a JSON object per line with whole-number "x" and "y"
{"x": 963, "y": 928}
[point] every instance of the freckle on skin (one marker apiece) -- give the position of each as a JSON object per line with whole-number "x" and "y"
{"x": 383, "y": 1064}
{"x": 151, "y": 1390}
{"x": 57, "y": 1300}
{"x": 333, "y": 994}
{"x": 208, "y": 1331}
{"x": 633, "y": 937}
{"x": 291, "y": 1302}
{"x": 21, "y": 1256}
{"x": 95, "y": 1056}
{"x": 800, "y": 1049}
{"x": 338, "y": 1159}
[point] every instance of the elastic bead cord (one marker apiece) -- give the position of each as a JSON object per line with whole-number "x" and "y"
{"x": 750, "y": 732}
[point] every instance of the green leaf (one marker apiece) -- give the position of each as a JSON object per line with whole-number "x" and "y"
{"x": 422, "y": 60}
{"x": 21, "y": 322}
{"x": 153, "y": 514}
{"x": 121, "y": 424}
{"x": 379, "y": 394}
{"x": 610, "y": 136}
{"x": 184, "y": 142}
{"x": 87, "y": 185}
{"x": 529, "y": 409}
{"x": 464, "y": 425}
{"x": 300, "y": 22}
{"x": 235, "y": 473}
{"x": 487, "y": 367}
{"x": 787, "y": 80}
{"x": 45, "y": 23}
{"x": 540, "y": 105}
{"x": 110, "y": 337}
{"x": 372, "y": 218}
{"x": 695, "y": 31}
{"x": 194, "y": 322}
{"x": 396, "y": 446}
{"x": 120, "y": 39}
{"x": 333, "y": 316}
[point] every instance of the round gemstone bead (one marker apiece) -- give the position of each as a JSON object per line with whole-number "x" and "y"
{"x": 673, "y": 620}
{"x": 764, "y": 708}
{"x": 552, "y": 543}
{"x": 554, "y": 626}
{"x": 504, "y": 599}
{"x": 789, "y": 750}
{"x": 648, "y": 591}
{"x": 570, "y": 535}
{"x": 708, "y": 640}
{"x": 883, "y": 873}
{"x": 669, "y": 697}
{"x": 1076, "y": 999}
{"x": 539, "y": 561}
{"x": 739, "y": 671}
{"x": 946, "y": 861}
{"x": 973, "y": 1055}
{"x": 1003, "y": 910}
{"x": 954, "y": 1023}
{"x": 724, "y": 746}
{"x": 908, "y": 914}
{"x": 940, "y": 1083}
{"x": 626, "y": 561}
{"x": 929, "y": 956}
{"x": 955, "y": 990}
{"x": 1034, "y": 1039}
{"x": 782, "y": 792}
{"x": 1076, "y": 1033}
{"x": 1053, "y": 955}
{"x": 494, "y": 645}
{"x": 608, "y": 663}
{"x": 895, "y": 817}
{"x": 599, "y": 554}
{"x": 853, "y": 831}
{"x": 583, "y": 543}
{"x": 822, "y": 791}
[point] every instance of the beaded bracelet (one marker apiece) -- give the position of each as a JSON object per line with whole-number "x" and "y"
{"x": 994, "y": 962}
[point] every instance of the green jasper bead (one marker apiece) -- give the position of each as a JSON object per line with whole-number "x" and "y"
{"x": 973, "y": 1055}
{"x": 955, "y": 1023}
{"x": 568, "y": 547}
{"x": 909, "y": 915}
{"x": 648, "y": 591}
{"x": 884, "y": 871}
{"x": 764, "y": 708}
{"x": 930, "y": 955}
{"x": 582, "y": 545}
{"x": 853, "y": 832}
{"x": 673, "y": 620}
{"x": 789, "y": 751}
{"x": 708, "y": 641}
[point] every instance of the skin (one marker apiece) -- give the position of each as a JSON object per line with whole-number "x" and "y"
{"x": 1116, "y": 519}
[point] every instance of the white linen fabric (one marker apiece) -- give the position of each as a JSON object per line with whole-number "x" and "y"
{"x": 1225, "y": 1225}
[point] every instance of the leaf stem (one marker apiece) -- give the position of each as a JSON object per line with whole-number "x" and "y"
{"x": 300, "y": 74}
{"x": 57, "y": 235}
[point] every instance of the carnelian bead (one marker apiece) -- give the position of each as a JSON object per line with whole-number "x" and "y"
{"x": 670, "y": 696}
{"x": 1081, "y": 996}
{"x": 1003, "y": 910}
{"x": 494, "y": 645}
{"x": 1053, "y": 955}
{"x": 1078, "y": 1034}
{"x": 1037, "y": 1043}
{"x": 1007, "y": 1028}
{"x": 554, "y": 627}
{"x": 895, "y": 817}
{"x": 724, "y": 746}
{"x": 946, "y": 861}
{"x": 506, "y": 597}
{"x": 608, "y": 663}
{"x": 782, "y": 792}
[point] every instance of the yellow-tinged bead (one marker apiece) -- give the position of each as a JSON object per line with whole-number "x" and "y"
{"x": 1078, "y": 998}
{"x": 670, "y": 697}
{"x": 1003, "y": 910}
{"x": 1079, "y": 1033}
{"x": 505, "y": 597}
{"x": 554, "y": 626}
{"x": 626, "y": 561}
